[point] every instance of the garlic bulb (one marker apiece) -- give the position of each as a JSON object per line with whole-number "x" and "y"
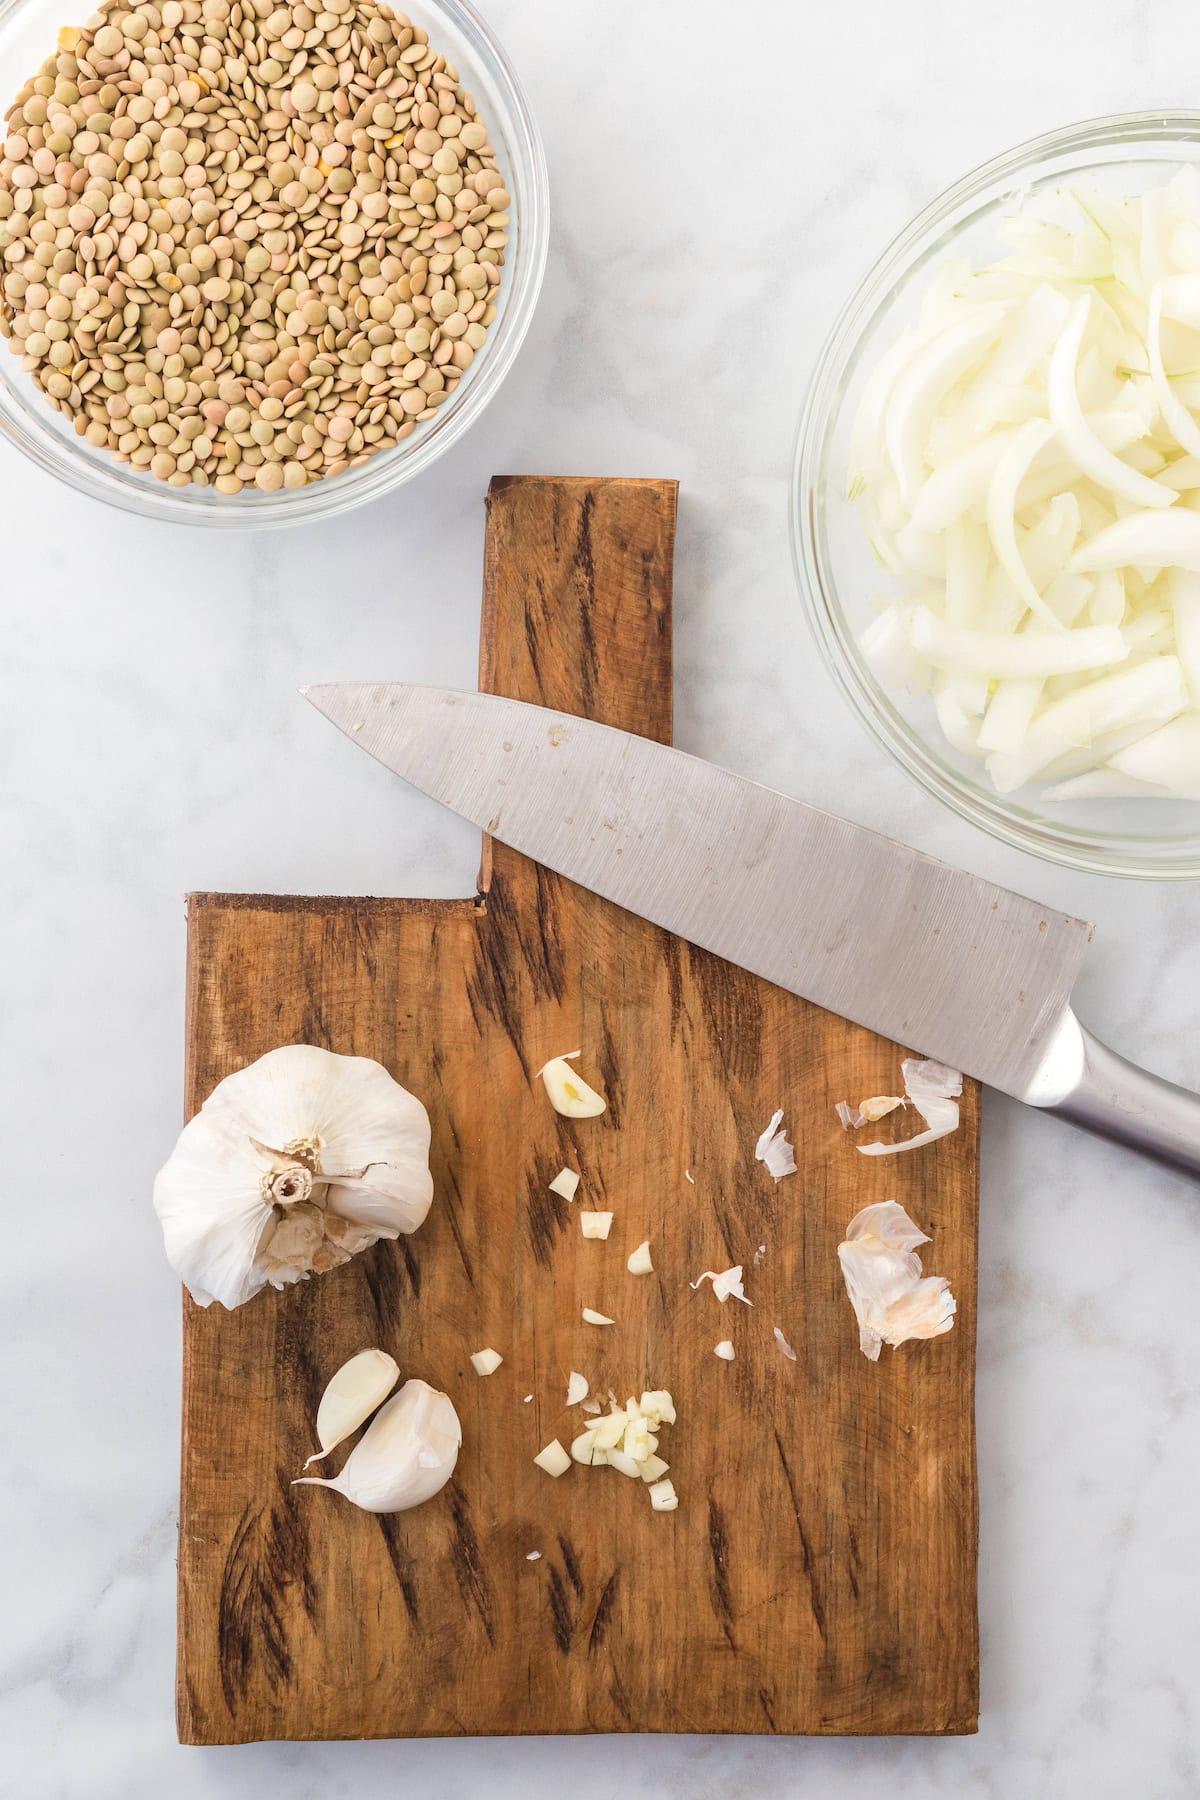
{"x": 359, "y": 1386}
{"x": 291, "y": 1167}
{"x": 406, "y": 1454}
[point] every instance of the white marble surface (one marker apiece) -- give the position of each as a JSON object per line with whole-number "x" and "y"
{"x": 720, "y": 178}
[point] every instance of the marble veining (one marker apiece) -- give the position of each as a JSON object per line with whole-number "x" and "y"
{"x": 720, "y": 177}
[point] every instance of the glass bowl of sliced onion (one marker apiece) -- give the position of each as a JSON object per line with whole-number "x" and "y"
{"x": 996, "y": 497}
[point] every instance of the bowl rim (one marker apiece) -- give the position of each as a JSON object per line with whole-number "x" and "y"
{"x": 524, "y": 275}
{"x": 1087, "y": 851}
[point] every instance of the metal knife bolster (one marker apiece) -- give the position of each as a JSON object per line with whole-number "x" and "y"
{"x": 1083, "y": 1081}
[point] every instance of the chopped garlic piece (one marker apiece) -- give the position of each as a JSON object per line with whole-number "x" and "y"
{"x": 688, "y": 1176}
{"x": 663, "y": 1497}
{"x": 656, "y": 1404}
{"x": 774, "y": 1150}
{"x": 728, "y": 1281}
{"x": 565, "y": 1183}
{"x": 639, "y": 1262}
{"x": 527, "y": 1399}
{"x": 596, "y": 1318}
{"x": 725, "y": 1350}
{"x": 933, "y": 1089}
{"x": 577, "y": 1388}
{"x": 891, "y": 1298}
{"x": 654, "y": 1468}
{"x": 533, "y": 1556}
{"x": 595, "y": 1224}
{"x": 585, "y": 1449}
{"x": 569, "y": 1093}
{"x": 486, "y": 1362}
{"x": 784, "y": 1345}
{"x": 553, "y": 1459}
{"x": 622, "y": 1461}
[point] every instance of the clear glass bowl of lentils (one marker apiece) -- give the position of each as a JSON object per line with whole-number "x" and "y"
{"x": 260, "y": 260}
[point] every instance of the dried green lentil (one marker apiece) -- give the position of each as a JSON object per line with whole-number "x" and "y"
{"x": 244, "y": 247}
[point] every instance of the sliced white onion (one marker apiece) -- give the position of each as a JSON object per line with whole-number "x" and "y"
{"x": 1027, "y": 462}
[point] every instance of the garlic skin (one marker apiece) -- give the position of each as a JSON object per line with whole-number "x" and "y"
{"x": 404, "y": 1457}
{"x": 291, "y": 1167}
{"x": 359, "y": 1386}
{"x": 891, "y": 1298}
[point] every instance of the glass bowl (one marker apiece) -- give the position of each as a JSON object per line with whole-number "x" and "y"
{"x": 835, "y": 568}
{"x": 28, "y": 31}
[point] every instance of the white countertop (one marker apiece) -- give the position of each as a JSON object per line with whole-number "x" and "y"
{"x": 721, "y": 177}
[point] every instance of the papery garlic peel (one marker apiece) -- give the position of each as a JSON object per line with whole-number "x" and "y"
{"x": 774, "y": 1150}
{"x": 359, "y": 1386}
{"x": 406, "y": 1454}
{"x": 892, "y": 1300}
{"x": 569, "y": 1093}
{"x": 291, "y": 1167}
{"x": 933, "y": 1089}
{"x": 724, "y": 1283}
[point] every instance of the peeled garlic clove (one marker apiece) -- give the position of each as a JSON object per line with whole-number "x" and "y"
{"x": 486, "y": 1362}
{"x": 569, "y": 1094}
{"x": 291, "y": 1166}
{"x": 595, "y": 1224}
{"x": 639, "y": 1262}
{"x": 359, "y": 1386}
{"x": 404, "y": 1457}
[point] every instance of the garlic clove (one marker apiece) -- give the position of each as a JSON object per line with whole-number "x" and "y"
{"x": 595, "y": 1224}
{"x": 291, "y": 1166}
{"x": 359, "y": 1386}
{"x": 725, "y": 1350}
{"x": 404, "y": 1457}
{"x": 486, "y": 1362}
{"x": 577, "y": 1388}
{"x": 591, "y": 1317}
{"x": 565, "y": 1183}
{"x": 553, "y": 1459}
{"x": 639, "y": 1262}
{"x": 569, "y": 1093}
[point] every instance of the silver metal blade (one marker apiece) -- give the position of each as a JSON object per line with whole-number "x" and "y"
{"x": 925, "y": 954}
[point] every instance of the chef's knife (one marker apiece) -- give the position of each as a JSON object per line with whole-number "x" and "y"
{"x": 925, "y": 954}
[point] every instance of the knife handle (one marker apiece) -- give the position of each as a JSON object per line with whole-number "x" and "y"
{"x": 1088, "y": 1084}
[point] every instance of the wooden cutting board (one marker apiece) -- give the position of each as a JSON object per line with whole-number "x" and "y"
{"x": 819, "y": 1574}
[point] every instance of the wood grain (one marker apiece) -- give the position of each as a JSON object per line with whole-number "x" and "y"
{"x": 819, "y": 1575}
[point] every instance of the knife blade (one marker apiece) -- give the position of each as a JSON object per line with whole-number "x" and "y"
{"x": 925, "y": 954}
